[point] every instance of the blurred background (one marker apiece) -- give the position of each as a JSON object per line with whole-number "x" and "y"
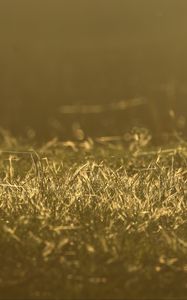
{"x": 65, "y": 63}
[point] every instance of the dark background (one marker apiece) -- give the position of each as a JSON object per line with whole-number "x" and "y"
{"x": 56, "y": 52}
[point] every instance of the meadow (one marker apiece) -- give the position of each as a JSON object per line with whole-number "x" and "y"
{"x": 93, "y": 219}
{"x": 92, "y": 204}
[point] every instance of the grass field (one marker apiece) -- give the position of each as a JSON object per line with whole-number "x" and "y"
{"x": 93, "y": 220}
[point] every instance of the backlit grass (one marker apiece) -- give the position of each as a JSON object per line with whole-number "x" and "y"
{"x": 85, "y": 221}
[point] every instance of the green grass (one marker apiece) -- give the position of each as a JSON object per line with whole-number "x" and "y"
{"x": 83, "y": 221}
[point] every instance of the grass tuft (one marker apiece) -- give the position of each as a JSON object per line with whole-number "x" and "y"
{"x": 100, "y": 222}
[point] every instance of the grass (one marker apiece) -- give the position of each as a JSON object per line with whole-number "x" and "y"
{"x": 89, "y": 221}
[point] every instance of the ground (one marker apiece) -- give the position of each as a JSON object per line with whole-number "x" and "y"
{"x": 93, "y": 221}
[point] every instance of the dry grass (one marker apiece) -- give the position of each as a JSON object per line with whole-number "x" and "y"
{"x": 96, "y": 222}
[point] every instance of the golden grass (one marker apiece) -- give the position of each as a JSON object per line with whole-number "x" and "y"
{"x": 97, "y": 222}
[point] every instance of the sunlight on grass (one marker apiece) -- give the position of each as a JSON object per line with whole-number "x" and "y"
{"x": 93, "y": 222}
